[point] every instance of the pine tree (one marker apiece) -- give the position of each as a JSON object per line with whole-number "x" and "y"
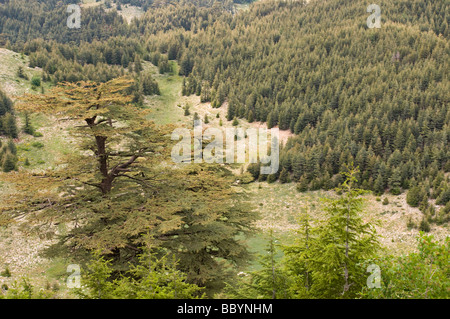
{"x": 378, "y": 187}
{"x": 270, "y": 282}
{"x": 9, "y": 162}
{"x": 10, "y": 126}
{"x": 27, "y": 128}
{"x": 21, "y": 74}
{"x": 137, "y": 64}
{"x": 303, "y": 183}
{"x": 344, "y": 241}
{"x": 395, "y": 182}
{"x": 298, "y": 257}
{"x": 284, "y": 176}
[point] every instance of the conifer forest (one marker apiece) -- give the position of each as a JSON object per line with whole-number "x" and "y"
{"x": 224, "y": 149}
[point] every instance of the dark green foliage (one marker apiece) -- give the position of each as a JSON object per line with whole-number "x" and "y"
{"x": 6, "y": 105}
{"x": 27, "y": 128}
{"x": 152, "y": 277}
{"x": 302, "y": 185}
{"x": 8, "y": 162}
{"x": 444, "y": 197}
{"x": 8, "y": 126}
{"x": 329, "y": 256}
{"x": 284, "y": 176}
{"x": 424, "y": 225}
{"x": 186, "y": 110}
{"x": 415, "y": 196}
{"x": 421, "y": 275}
{"x": 272, "y": 178}
{"x": 21, "y": 74}
{"x": 149, "y": 85}
{"x": 344, "y": 111}
{"x": 36, "y": 81}
{"x": 271, "y": 281}
{"x": 254, "y": 169}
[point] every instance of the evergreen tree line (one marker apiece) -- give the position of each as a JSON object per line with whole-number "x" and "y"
{"x": 375, "y": 97}
{"x": 8, "y": 129}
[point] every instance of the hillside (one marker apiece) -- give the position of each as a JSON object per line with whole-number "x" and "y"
{"x": 93, "y": 176}
{"x": 377, "y": 97}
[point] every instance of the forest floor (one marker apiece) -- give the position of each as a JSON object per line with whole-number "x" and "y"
{"x": 279, "y": 204}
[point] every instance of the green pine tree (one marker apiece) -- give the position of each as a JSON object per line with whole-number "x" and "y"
{"x": 344, "y": 242}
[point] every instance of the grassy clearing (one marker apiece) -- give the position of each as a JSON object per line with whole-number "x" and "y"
{"x": 164, "y": 107}
{"x": 91, "y": 3}
{"x": 10, "y": 83}
{"x": 130, "y": 12}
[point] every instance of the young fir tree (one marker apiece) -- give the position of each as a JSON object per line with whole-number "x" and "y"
{"x": 344, "y": 241}
{"x": 298, "y": 257}
{"x": 149, "y": 86}
{"x": 270, "y": 282}
{"x": 9, "y": 162}
{"x": 284, "y": 176}
{"x": 9, "y": 125}
{"x": 27, "y": 128}
{"x": 21, "y": 74}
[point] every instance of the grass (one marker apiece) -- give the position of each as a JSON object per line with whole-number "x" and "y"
{"x": 44, "y": 152}
{"x": 130, "y": 12}
{"x": 164, "y": 107}
{"x": 10, "y": 83}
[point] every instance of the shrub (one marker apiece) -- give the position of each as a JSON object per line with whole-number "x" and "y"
{"x": 37, "y": 144}
{"x": 21, "y": 73}
{"x": 414, "y": 196}
{"x": 6, "y": 273}
{"x": 36, "y": 81}
{"x": 410, "y": 224}
{"x": 424, "y": 226}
